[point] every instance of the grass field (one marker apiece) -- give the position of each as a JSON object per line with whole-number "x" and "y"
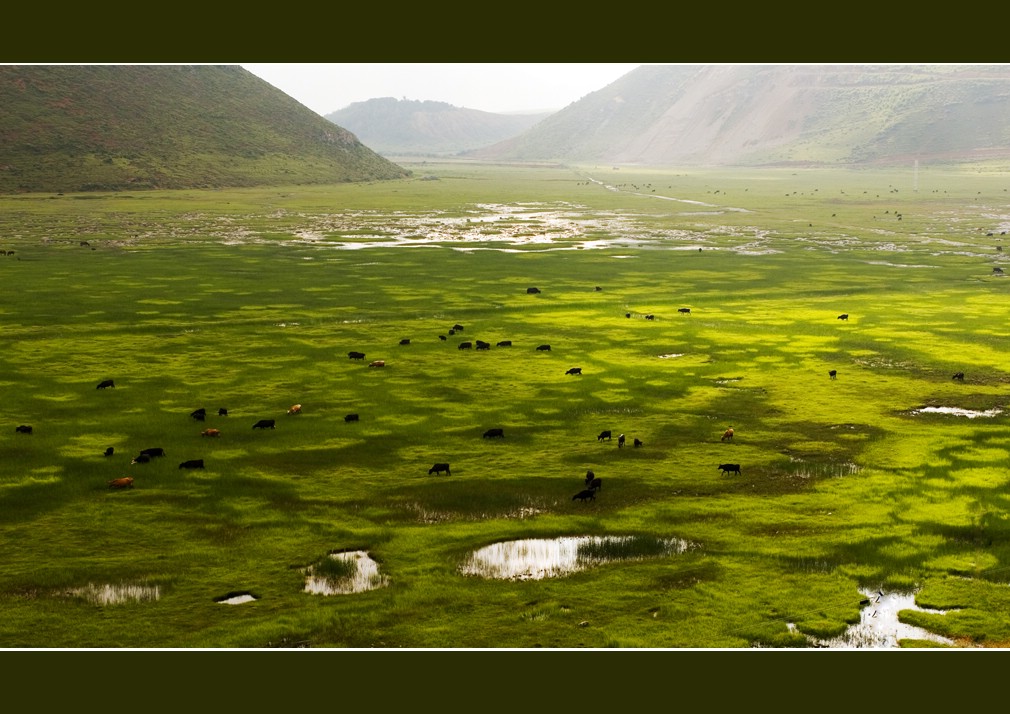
{"x": 251, "y": 299}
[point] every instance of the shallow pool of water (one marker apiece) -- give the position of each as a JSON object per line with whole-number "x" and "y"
{"x": 109, "y": 594}
{"x": 955, "y": 411}
{"x": 538, "y": 558}
{"x": 879, "y": 627}
{"x": 365, "y": 577}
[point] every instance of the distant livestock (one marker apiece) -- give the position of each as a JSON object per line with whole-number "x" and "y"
{"x": 638, "y": 442}
{"x": 377, "y": 363}
{"x": 210, "y": 432}
{"x": 505, "y": 343}
{"x": 125, "y": 482}
{"x": 594, "y": 484}
{"x": 727, "y": 435}
{"x": 585, "y": 495}
{"x": 199, "y": 414}
{"x": 729, "y": 468}
{"x": 684, "y": 310}
{"x": 833, "y": 373}
{"x": 620, "y": 441}
{"x": 405, "y": 342}
{"x": 23, "y": 429}
{"x": 650, "y": 317}
{"x": 222, "y": 412}
{"x": 265, "y": 424}
{"x": 439, "y": 468}
{"x": 351, "y": 417}
{"x": 141, "y": 459}
{"x": 532, "y": 291}
{"x": 482, "y": 345}
{"x": 356, "y": 355}
{"x": 110, "y": 451}
{"x": 494, "y": 433}
{"x": 192, "y": 464}
{"x": 959, "y": 376}
{"x": 464, "y": 345}
{"x": 295, "y": 409}
{"x": 574, "y": 370}
{"x": 457, "y": 327}
{"x": 106, "y": 384}
{"x": 844, "y": 316}
{"x": 604, "y": 435}
{"x": 544, "y": 348}
{"x": 153, "y": 451}
{"x": 442, "y": 337}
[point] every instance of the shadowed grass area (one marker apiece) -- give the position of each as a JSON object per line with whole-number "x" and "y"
{"x": 217, "y": 300}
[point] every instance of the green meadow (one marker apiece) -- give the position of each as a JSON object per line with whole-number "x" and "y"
{"x": 250, "y": 300}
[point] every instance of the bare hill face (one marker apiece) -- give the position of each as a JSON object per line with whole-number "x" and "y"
{"x": 394, "y": 127}
{"x": 113, "y": 127}
{"x": 779, "y": 114}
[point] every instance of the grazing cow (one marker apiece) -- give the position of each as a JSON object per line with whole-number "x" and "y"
{"x": 23, "y": 429}
{"x": 404, "y": 342}
{"x": 684, "y": 310}
{"x": 351, "y": 417}
{"x": 192, "y": 464}
{"x": 199, "y": 414}
{"x": 729, "y": 468}
{"x": 153, "y": 451}
{"x": 356, "y": 355}
{"x": 584, "y": 495}
{"x": 125, "y": 482}
{"x": 452, "y": 332}
{"x": 589, "y": 476}
{"x": 604, "y": 435}
{"x": 532, "y": 291}
{"x": 594, "y": 484}
{"x": 210, "y": 432}
{"x": 843, "y": 316}
{"x": 492, "y": 433}
{"x": 442, "y": 337}
{"x": 105, "y": 384}
{"x": 627, "y": 315}
{"x": 620, "y": 441}
{"x": 997, "y": 270}
{"x": 464, "y": 345}
{"x": 377, "y": 363}
{"x": 598, "y": 289}
{"x": 650, "y": 317}
{"x": 141, "y": 459}
{"x": 439, "y": 468}
{"x": 505, "y": 343}
{"x": 222, "y": 412}
{"x": 265, "y": 424}
{"x": 833, "y": 373}
{"x": 727, "y": 435}
{"x": 481, "y": 345}
{"x": 544, "y": 348}
{"x": 574, "y": 370}
{"x": 638, "y": 442}
{"x": 110, "y": 451}
{"x": 959, "y": 376}
{"x": 457, "y": 327}
{"x": 295, "y": 409}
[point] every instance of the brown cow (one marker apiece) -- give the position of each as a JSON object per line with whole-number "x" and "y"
{"x": 210, "y": 432}
{"x": 727, "y": 435}
{"x": 125, "y": 482}
{"x": 377, "y": 363}
{"x": 295, "y": 409}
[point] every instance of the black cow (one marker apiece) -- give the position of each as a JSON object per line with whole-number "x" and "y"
{"x": 627, "y": 315}
{"x": 638, "y": 442}
{"x": 464, "y": 345}
{"x": 192, "y": 464}
{"x": 222, "y": 412}
{"x": 141, "y": 459}
{"x": 439, "y": 468}
{"x": 833, "y": 373}
{"x": 684, "y": 310}
{"x": 505, "y": 343}
{"x": 265, "y": 424}
{"x": 959, "y": 376}
{"x": 106, "y": 383}
{"x": 574, "y": 370}
{"x": 153, "y": 451}
{"x": 351, "y": 417}
{"x": 595, "y": 484}
{"x": 650, "y": 317}
{"x": 584, "y": 495}
{"x": 199, "y": 414}
{"x": 404, "y": 342}
{"x": 532, "y": 291}
{"x": 110, "y": 451}
{"x": 442, "y": 337}
{"x": 604, "y": 435}
{"x": 620, "y": 441}
{"x": 356, "y": 355}
{"x": 844, "y": 316}
{"x": 457, "y": 327}
{"x": 23, "y": 429}
{"x": 481, "y": 345}
{"x": 492, "y": 433}
{"x": 729, "y": 468}
{"x": 589, "y": 476}
{"x": 544, "y": 348}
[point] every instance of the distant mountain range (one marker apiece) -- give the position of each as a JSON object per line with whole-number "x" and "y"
{"x": 402, "y": 127}
{"x": 116, "y": 127}
{"x": 753, "y": 115}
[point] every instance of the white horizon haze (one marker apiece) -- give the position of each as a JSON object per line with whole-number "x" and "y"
{"x": 501, "y": 88}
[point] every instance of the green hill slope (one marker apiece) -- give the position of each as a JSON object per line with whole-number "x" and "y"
{"x": 113, "y": 127}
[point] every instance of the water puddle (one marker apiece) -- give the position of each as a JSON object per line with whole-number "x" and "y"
{"x": 879, "y": 626}
{"x": 955, "y": 411}
{"x": 362, "y": 574}
{"x": 116, "y": 594}
{"x": 236, "y": 599}
{"x": 538, "y": 558}
{"x": 672, "y": 355}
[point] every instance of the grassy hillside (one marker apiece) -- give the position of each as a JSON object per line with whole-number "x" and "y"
{"x": 87, "y": 128}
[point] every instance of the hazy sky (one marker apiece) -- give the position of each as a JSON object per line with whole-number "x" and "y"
{"x": 500, "y": 88}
